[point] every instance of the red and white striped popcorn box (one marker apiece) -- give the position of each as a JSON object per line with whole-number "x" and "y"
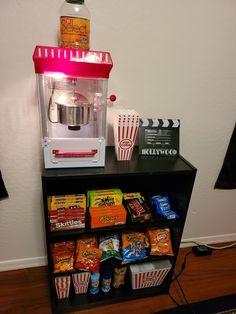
{"x": 149, "y": 274}
{"x": 126, "y": 124}
{"x": 81, "y": 282}
{"x": 62, "y": 284}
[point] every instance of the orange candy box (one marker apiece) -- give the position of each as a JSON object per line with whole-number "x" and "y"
{"x": 105, "y": 216}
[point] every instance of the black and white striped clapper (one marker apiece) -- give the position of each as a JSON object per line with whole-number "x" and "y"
{"x": 159, "y": 123}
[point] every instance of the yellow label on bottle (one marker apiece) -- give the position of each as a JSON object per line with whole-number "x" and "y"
{"x": 75, "y": 32}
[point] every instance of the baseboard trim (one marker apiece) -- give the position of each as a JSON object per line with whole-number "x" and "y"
{"x": 23, "y": 263}
{"x": 42, "y": 260}
{"x": 224, "y": 238}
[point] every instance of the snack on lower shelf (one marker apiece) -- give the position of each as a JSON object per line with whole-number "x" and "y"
{"x": 137, "y": 207}
{"x": 160, "y": 241}
{"x": 149, "y": 274}
{"x": 62, "y": 285}
{"x": 110, "y": 245}
{"x": 105, "y": 216}
{"x": 66, "y": 212}
{"x": 63, "y": 256}
{"x": 88, "y": 258}
{"x": 133, "y": 246}
{"x": 109, "y": 197}
{"x": 119, "y": 276}
{"x": 81, "y": 282}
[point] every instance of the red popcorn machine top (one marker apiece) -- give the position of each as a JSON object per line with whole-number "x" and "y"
{"x": 72, "y": 88}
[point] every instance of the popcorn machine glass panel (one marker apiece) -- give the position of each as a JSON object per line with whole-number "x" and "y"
{"x": 73, "y": 101}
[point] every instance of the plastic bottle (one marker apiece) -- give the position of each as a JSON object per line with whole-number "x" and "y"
{"x": 106, "y": 281}
{"x": 94, "y": 283}
{"x": 74, "y": 25}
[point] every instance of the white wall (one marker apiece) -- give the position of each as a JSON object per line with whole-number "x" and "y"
{"x": 172, "y": 59}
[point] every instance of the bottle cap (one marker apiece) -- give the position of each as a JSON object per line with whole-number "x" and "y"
{"x": 75, "y": 1}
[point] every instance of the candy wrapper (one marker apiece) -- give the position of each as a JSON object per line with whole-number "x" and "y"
{"x": 126, "y": 125}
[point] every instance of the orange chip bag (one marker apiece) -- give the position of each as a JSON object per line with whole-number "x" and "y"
{"x": 160, "y": 241}
{"x": 89, "y": 240}
{"x": 88, "y": 258}
{"x": 63, "y": 257}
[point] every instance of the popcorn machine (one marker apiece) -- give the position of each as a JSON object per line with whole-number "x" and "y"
{"x": 72, "y": 88}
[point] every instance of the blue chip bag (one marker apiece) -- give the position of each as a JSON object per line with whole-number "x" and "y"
{"x": 133, "y": 246}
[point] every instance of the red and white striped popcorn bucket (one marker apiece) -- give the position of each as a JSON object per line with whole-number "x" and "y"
{"x": 149, "y": 274}
{"x": 81, "y": 282}
{"x": 62, "y": 284}
{"x": 126, "y": 124}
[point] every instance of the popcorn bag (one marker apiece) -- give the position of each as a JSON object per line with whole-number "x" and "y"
{"x": 81, "y": 281}
{"x": 62, "y": 285}
{"x": 126, "y": 124}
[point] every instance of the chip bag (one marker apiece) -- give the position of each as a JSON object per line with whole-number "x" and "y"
{"x": 133, "y": 246}
{"x": 160, "y": 241}
{"x": 63, "y": 256}
{"x": 110, "y": 244}
{"x": 88, "y": 258}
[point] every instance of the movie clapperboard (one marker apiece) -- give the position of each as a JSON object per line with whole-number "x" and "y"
{"x": 159, "y": 137}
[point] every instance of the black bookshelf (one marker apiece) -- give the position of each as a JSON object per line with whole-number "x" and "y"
{"x": 147, "y": 174}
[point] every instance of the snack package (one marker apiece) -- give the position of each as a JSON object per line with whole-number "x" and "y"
{"x": 66, "y": 219}
{"x": 137, "y": 207}
{"x": 105, "y": 216}
{"x": 88, "y": 258}
{"x": 119, "y": 276}
{"x": 163, "y": 207}
{"x": 133, "y": 246}
{"x": 66, "y": 212}
{"x": 63, "y": 256}
{"x": 110, "y": 244}
{"x": 109, "y": 197}
{"x": 67, "y": 201}
{"x": 89, "y": 240}
{"x": 160, "y": 241}
{"x": 62, "y": 285}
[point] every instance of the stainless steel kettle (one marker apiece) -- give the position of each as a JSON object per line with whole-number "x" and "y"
{"x": 74, "y": 110}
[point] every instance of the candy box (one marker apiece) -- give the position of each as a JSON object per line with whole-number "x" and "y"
{"x": 149, "y": 274}
{"x": 62, "y": 284}
{"x": 137, "y": 207}
{"x": 66, "y": 212}
{"x": 109, "y": 197}
{"x": 67, "y": 201}
{"x": 81, "y": 282}
{"x": 66, "y": 219}
{"x": 105, "y": 216}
